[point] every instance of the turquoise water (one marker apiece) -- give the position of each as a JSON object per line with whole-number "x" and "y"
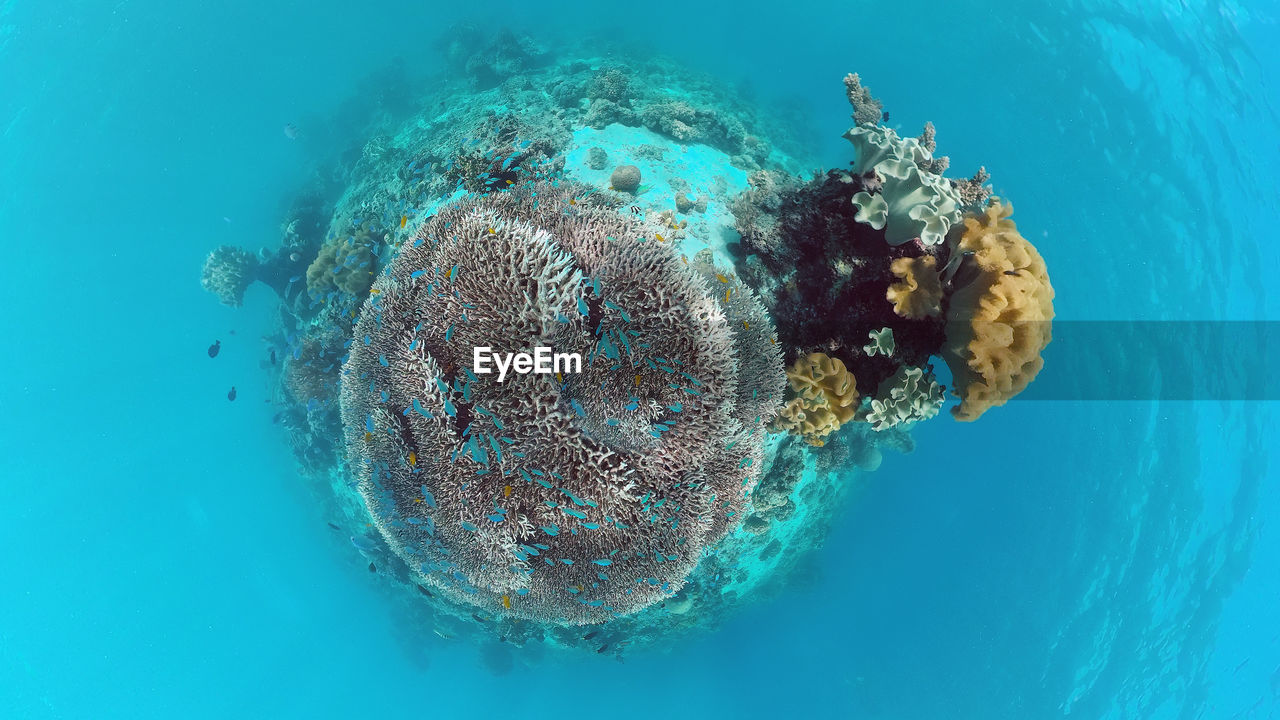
{"x": 1096, "y": 559}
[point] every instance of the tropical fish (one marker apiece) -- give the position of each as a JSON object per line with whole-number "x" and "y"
{"x": 214, "y": 348}
{"x": 425, "y": 591}
{"x": 404, "y": 219}
{"x": 506, "y": 601}
{"x": 291, "y": 131}
{"x": 231, "y": 395}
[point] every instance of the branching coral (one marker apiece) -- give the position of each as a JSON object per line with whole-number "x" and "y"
{"x": 228, "y": 272}
{"x": 823, "y": 396}
{"x": 866, "y": 109}
{"x": 570, "y": 498}
{"x": 911, "y": 395}
{"x": 918, "y": 294}
{"x": 345, "y": 264}
{"x": 1000, "y": 314}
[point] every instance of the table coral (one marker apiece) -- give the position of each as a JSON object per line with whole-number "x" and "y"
{"x": 999, "y": 317}
{"x": 228, "y": 272}
{"x": 570, "y": 499}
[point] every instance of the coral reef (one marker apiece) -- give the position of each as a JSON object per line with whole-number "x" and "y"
{"x": 463, "y": 475}
{"x": 228, "y": 271}
{"x": 567, "y": 500}
{"x": 998, "y": 321}
{"x": 823, "y": 396}
{"x": 902, "y": 269}
{"x": 918, "y": 293}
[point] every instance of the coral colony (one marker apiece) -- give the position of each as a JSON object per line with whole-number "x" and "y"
{"x": 611, "y": 361}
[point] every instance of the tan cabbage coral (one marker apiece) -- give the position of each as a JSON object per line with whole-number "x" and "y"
{"x": 999, "y": 316}
{"x": 918, "y": 294}
{"x": 824, "y": 396}
{"x": 345, "y": 264}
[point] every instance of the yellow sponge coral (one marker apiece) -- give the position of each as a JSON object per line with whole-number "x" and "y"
{"x": 823, "y": 396}
{"x": 919, "y": 292}
{"x": 998, "y": 320}
{"x": 343, "y": 264}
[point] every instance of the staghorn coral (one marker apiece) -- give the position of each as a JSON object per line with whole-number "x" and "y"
{"x": 823, "y": 396}
{"x": 568, "y": 499}
{"x": 345, "y": 264}
{"x": 228, "y": 271}
{"x": 918, "y": 294}
{"x": 911, "y": 395}
{"x": 999, "y": 318}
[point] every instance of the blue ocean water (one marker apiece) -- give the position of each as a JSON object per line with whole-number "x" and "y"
{"x": 1056, "y": 559}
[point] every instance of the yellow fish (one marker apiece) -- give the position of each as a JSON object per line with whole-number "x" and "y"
{"x": 726, "y": 294}
{"x": 368, "y": 436}
{"x": 773, "y": 340}
{"x": 413, "y": 458}
{"x": 722, "y": 278}
{"x": 375, "y": 291}
{"x": 746, "y": 325}
{"x": 506, "y": 601}
{"x": 560, "y": 378}
{"x": 403, "y": 220}
{"x": 573, "y": 201}
{"x": 492, "y": 231}
{"x": 660, "y": 238}
{"x": 637, "y": 381}
{"x": 506, "y": 491}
